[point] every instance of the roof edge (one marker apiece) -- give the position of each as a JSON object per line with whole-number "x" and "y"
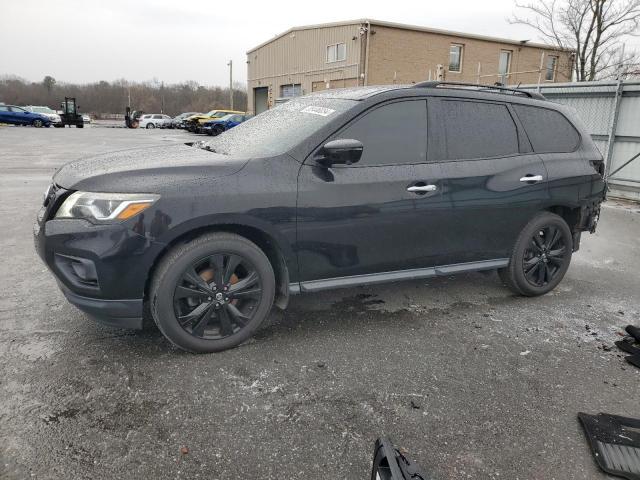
{"x": 418, "y": 28}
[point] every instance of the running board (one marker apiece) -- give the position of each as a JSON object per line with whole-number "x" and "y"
{"x": 397, "y": 275}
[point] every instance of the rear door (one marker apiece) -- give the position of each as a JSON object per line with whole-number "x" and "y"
{"x": 493, "y": 183}
{"x": 381, "y": 214}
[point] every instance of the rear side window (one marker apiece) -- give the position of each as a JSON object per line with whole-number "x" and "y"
{"x": 549, "y": 131}
{"x": 477, "y": 130}
{"x": 392, "y": 134}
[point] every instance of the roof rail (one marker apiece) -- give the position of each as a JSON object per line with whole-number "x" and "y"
{"x": 481, "y": 88}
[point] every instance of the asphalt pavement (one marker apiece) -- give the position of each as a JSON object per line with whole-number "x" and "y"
{"x": 472, "y": 381}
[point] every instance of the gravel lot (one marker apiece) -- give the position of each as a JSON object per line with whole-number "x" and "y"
{"x": 473, "y": 381}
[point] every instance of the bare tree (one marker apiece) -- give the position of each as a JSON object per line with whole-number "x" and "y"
{"x": 595, "y": 29}
{"x": 49, "y": 82}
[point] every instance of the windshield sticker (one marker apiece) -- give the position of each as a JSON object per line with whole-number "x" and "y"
{"x": 324, "y": 112}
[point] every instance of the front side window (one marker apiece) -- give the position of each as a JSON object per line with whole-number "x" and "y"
{"x": 477, "y": 130}
{"x": 552, "y": 63}
{"x": 548, "y": 130}
{"x": 455, "y": 58}
{"x": 3, "y": 108}
{"x": 17, "y": 109}
{"x": 336, "y": 52}
{"x": 392, "y": 134}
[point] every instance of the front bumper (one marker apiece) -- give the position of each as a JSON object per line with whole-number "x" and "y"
{"x": 101, "y": 269}
{"x": 113, "y": 313}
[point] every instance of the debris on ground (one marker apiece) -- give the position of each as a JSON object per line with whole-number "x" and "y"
{"x": 631, "y": 344}
{"x": 615, "y": 442}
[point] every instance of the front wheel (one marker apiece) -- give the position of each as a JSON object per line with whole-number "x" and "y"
{"x": 37, "y": 123}
{"x": 150, "y": 125}
{"x": 212, "y": 293}
{"x": 540, "y": 257}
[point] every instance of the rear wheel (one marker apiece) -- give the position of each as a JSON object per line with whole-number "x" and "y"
{"x": 540, "y": 257}
{"x": 212, "y": 293}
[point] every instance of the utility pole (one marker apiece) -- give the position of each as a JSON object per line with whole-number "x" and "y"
{"x": 230, "y": 64}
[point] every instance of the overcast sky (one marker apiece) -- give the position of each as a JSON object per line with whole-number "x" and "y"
{"x": 178, "y": 40}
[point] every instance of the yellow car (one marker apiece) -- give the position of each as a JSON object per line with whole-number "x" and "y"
{"x": 194, "y": 124}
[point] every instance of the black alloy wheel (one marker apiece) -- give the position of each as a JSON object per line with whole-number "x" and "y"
{"x": 545, "y": 256}
{"x": 212, "y": 293}
{"x": 37, "y": 123}
{"x": 540, "y": 257}
{"x": 217, "y": 295}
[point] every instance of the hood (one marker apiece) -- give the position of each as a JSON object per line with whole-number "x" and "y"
{"x": 147, "y": 170}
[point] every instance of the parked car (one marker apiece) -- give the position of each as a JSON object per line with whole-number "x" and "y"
{"x": 194, "y": 123}
{"x": 178, "y": 121}
{"x": 154, "y": 120}
{"x": 335, "y": 189}
{"x": 216, "y": 127}
{"x": 86, "y": 118}
{"x": 51, "y": 114}
{"x": 20, "y": 116}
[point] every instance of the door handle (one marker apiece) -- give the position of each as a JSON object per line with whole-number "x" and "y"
{"x": 531, "y": 178}
{"x": 422, "y": 188}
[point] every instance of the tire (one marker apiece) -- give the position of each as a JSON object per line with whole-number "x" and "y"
{"x": 150, "y": 125}
{"x": 37, "y": 123}
{"x": 218, "y": 130}
{"x": 79, "y": 125}
{"x": 540, "y": 256}
{"x": 184, "y": 289}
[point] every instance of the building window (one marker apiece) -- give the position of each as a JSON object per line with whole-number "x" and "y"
{"x": 455, "y": 58}
{"x": 336, "y": 52}
{"x": 552, "y": 63}
{"x": 504, "y": 65}
{"x": 291, "y": 90}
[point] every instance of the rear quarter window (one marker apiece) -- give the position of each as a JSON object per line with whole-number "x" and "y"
{"x": 548, "y": 130}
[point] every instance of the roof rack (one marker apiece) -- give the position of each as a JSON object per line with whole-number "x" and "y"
{"x": 481, "y": 88}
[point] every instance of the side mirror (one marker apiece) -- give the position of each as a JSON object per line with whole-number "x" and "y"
{"x": 340, "y": 152}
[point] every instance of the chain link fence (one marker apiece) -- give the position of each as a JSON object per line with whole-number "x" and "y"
{"x": 611, "y": 112}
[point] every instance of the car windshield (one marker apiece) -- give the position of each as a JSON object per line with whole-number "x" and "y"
{"x": 278, "y": 130}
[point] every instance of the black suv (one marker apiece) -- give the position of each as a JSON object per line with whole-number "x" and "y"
{"x": 334, "y": 189}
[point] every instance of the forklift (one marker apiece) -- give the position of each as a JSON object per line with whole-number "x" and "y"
{"x": 70, "y": 115}
{"x": 132, "y": 118}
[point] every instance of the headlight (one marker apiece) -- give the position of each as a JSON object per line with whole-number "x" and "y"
{"x": 105, "y": 206}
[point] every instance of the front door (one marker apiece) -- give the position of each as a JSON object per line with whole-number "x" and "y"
{"x": 260, "y": 99}
{"x": 492, "y": 181}
{"x": 379, "y": 215}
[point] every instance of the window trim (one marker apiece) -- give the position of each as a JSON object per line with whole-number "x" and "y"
{"x": 336, "y": 47}
{"x": 524, "y": 129}
{"x": 461, "y": 45}
{"x": 516, "y": 123}
{"x": 555, "y": 68}
{"x": 309, "y": 158}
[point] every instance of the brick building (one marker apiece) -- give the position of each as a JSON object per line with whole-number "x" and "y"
{"x": 372, "y": 52}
